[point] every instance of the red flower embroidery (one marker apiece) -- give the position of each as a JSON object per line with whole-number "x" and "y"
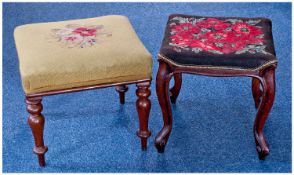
{"x": 216, "y": 36}
{"x": 198, "y": 44}
{"x": 209, "y": 22}
{"x": 246, "y": 29}
{"x": 185, "y": 27}
{"x": 221, "y": 26}
{"x": 83, "y": 31}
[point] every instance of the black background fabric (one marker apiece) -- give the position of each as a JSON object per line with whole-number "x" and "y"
{"x": 244, "y": 60}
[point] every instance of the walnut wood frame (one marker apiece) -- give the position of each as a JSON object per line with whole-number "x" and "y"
{"x": 263, "y": 98}
{"x": 36, "y": 120}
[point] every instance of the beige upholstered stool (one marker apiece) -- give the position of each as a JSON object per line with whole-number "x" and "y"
{"x": 75, "y": 55}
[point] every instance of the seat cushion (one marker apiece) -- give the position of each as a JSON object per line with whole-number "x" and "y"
{"x": 75, "y": 53}
{"x": 233, "y": 43}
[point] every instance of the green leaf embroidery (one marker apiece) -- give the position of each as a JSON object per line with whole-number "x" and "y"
{"x": 253, "y": 22}
{"x": 219, "y": 44}
{"x": 181, "y": 19}
{"x": 260, "y": 36}
{"x": 215, "y": 51}
{"x": 196, "y": 50}
{"x": 233, "y": 21}
{"x": 204, "y": 30}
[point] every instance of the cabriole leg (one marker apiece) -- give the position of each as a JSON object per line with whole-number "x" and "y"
{"x": 162, "y": 90}
{"x": 268, "y": 95}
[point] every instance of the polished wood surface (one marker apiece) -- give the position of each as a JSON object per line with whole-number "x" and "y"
{"x": 143, "y": 105}
{"x": 162, "y": 90}
{"x": 175, "y": 90}
{"x": 263, "y": 99}
{"x": 36, "y": 122}
{"x": 256, "y": 91}
{"x": 263, "y": 110}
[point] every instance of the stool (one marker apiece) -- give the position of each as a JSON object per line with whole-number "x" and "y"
{"x": 219, "y": 47}
{"x": 84, "y": 54}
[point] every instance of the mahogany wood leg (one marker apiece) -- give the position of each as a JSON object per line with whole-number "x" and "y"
{"x": 143, "y": 107}
{"x": 268, "y": 84}
{"x": 36, "y": 122}
{"x": 162, "y": 90}
{"x": 121, "y": 90}
{"x": 175, "y": 90}
{"x": 256, "y": 91}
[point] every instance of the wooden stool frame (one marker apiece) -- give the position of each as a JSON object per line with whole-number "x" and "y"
{"x": 263, "y": 76}
{"x": 36, "y": 120}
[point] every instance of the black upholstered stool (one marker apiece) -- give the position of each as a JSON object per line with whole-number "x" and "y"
{"x": 220, "y": 47}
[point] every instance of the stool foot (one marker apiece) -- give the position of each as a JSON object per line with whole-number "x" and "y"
{"x": 143, "y": 108}
{"x": 162, "y": 138}
{"x": 262, "y": 153}
{"x": 41, "y": 159}
{"x": 160, "y": 148}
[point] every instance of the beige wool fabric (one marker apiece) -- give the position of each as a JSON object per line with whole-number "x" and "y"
{"x": 47, "y": 64}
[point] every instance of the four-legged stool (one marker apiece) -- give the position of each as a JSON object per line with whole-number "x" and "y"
{"x": 219, "y": 47}
{"x": 75, "y": 55}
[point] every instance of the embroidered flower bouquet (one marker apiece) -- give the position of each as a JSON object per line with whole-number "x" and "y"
{"x": 74, "y": 35}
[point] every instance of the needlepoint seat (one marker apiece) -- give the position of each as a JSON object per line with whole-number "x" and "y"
{"x": 66, "y": 54}
{"x": 241, "y": 43}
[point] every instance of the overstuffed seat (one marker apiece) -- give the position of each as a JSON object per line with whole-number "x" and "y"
{"x": 228, "y": 43}
{"x": 75, "y": 53}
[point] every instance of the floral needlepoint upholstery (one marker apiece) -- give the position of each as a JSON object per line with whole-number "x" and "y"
{"x": 74, "y": 35}
{"x": 83, "y": 52}
{"x": 240, "y": 43}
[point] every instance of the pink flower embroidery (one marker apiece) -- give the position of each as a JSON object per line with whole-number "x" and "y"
{"x": 74, "y": 35}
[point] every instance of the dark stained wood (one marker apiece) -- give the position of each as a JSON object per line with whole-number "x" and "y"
{"x": 121, "y": 90}
{"x": 143, "y": 107}
{"x": 36, "y": 122}
{"x": 175, "y": 90}
{"x": 263, "y": 98}
{"x": 268, "y": 95}
{"x": 162, "y": 90}
{"x": 256, "y": 91}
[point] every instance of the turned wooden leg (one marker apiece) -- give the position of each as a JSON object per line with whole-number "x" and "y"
{"x": 162, "y": 90}
{"x": 121, "y": 90}
{"x": 256, "y": 91}
{"x": 268, "y": 95}
{"x": 36, "y": 122}
{"x": 175, "y": 90}
{"x": 143, "y": 107}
